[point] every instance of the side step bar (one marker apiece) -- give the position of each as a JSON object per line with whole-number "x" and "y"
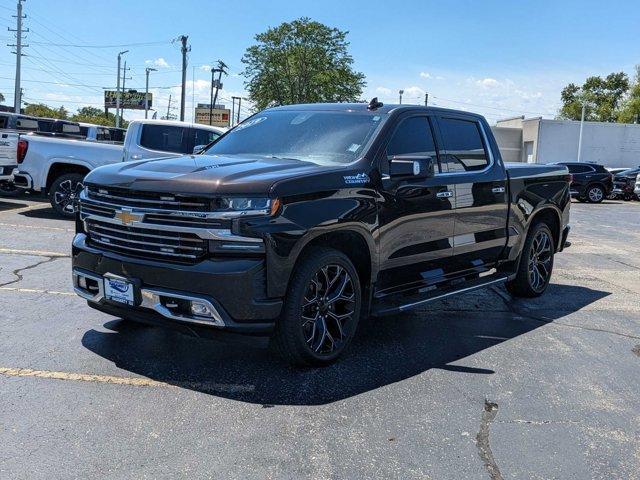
{"x": 386, "y": 309}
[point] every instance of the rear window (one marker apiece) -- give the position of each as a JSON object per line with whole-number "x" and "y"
{"x": 70, "y": 128}
{"x": 3, "y": 122}
{"x": 166, "y": 138}
{"x": 203, "y": 137}
{"x": 27, "y": 124}
{"x": 579, "y": 168}
{"x": 463, "y": 143}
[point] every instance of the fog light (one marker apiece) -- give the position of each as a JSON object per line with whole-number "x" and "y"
{"x": 200, "y": 309}
{"x": 82, "y": 282}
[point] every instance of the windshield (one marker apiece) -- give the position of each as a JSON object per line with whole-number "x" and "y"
{"x": 326, "y": 138}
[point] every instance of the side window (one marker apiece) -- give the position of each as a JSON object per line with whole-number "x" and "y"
{"x": 166, "y": 138}
{"x": 26, "y": 124}
{"x": 579, "y": 169}
{"x": 413, "y": 136}
{"x": 464, "y": 149}
{"x": 203, "y": 137}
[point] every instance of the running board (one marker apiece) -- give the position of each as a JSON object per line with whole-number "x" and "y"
{"x": 384, "y": 308}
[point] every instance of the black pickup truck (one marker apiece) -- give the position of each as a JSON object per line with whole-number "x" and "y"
{"x": 305, "y": 219}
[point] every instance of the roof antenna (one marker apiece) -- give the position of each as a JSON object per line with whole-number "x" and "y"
{"x": 374, "y": 104}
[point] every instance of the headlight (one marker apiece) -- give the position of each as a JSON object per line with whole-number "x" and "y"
{"x": 248, "y": 205}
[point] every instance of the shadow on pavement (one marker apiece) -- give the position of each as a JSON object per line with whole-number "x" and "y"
{"x": 389, "y": 350}
{"x": 14, "y": 205}
{"x": 44, "y": 213}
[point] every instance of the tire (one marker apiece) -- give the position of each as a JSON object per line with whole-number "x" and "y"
{"x": 312, "y": 330}
{"x": 536, "y": 259}
{"x": 595, "y": 194}
{"x": 64, "y": 192}
{"x": 8, "y": 189}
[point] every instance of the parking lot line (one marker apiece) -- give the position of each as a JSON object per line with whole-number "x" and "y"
{"x": 37, "y": 253}
{"x": 34, "y": 290}
{"x": 37, "y": 227}
{"x": 118, "y": 380}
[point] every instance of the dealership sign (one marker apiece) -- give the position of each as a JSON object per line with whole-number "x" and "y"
{"x": 129, "y": 100}
{"x": 221, "y": 116}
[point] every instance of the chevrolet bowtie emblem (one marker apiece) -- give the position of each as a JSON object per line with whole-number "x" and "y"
{"x": 127, "y": 216}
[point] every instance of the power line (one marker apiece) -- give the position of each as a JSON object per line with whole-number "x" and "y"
{"x": 72, "y": 45}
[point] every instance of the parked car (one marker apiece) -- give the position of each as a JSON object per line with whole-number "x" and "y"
{"x": 636, "y": 190}
{"x": 303, "y": 219}
{"x": 18, "y": 122}
{"x": 57, "y": 166}
{"x": 591, "y": 182}
{"x": 624, "y": 183}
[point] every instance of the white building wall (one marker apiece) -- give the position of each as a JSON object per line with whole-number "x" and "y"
{"x": 610, "y": 144}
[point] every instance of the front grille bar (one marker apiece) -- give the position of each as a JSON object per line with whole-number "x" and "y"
{"x": 120, "y": 239}
{"x": 146, "y": 252}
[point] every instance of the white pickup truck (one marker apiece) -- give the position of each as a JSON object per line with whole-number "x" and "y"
{"x": 57, "y": 166}
{"x": 10, "y": 149}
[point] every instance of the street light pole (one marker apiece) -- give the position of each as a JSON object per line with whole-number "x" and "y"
{"x": 118, "y": 89}
{"x": 146, "y": 91}
{"x": 581, "y": 127}
{"x": 401, "y": 92}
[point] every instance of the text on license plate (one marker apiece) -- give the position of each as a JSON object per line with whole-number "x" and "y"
{"x": 118, "y": 290}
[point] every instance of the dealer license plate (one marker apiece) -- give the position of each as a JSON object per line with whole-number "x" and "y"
{"x": 118, "y": 290}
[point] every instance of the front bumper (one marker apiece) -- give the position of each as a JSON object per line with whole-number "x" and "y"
{"x": 234, "y": 288}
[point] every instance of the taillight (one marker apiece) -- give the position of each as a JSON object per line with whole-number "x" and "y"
{"x": 23, "y": 146}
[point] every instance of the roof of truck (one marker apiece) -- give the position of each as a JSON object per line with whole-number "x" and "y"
{"x": 177, "y": 123}
{"x": 363, "y": 107}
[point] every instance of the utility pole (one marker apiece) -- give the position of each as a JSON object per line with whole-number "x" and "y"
{"x": 426, "y": 99}
{"x": 146, "y": 91}
{"x": 220, "y": 70}
{"x": 168, "y": 107}
{"x": 233, "y": 109}
{"x": 17, "y": 91}
{"x": 184, "y": 50}
{"x": 118, "y": 90}
{"x": 581, "y": 127}
{"x": 400, "y": 92}
{"x": 124, "y": 79}
{"x": 239, "y": 102}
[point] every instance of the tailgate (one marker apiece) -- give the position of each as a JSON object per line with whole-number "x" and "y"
{"x": 8, "y": 148}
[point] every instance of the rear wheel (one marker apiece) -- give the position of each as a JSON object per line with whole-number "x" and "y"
{"x": 536, "y": 263}
{"x": 595, "y": 194}
{"x": 64, "y": 194}
{"x": 321, "y": 310}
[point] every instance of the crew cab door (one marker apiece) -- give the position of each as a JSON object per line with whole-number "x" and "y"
{"x": 416, "y": 215}
{"x": 481, "y": 202}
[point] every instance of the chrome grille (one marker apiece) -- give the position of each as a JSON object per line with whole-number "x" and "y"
{"x": 146, "y": 242}
{"x": 121, "y": 197}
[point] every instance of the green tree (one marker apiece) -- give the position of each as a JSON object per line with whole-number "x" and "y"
{"x": 42, "y": 110}
{"x": 96, "y": 116}
{"x": 301, "y": 62}
{"x": 601, "y": 96}
{"x": 630, "y": 109}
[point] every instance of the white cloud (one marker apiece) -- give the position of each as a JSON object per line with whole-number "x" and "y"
{"x": 206, "y": 68}
{"x": 425, "y": 75}
{"x": 414, "y": 92}
{"x": 158, "y": 62}
{"x": 489, "y": 83}
{"x": 383, "y": 90}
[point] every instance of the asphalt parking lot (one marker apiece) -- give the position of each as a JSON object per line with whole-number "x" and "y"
{"x": 481, "y": 386}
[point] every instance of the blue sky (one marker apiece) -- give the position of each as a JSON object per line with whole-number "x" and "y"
{"x": 498, "y": 58}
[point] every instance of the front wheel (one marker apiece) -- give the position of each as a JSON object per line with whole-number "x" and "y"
{"x": 64, "y": 194}
{"x": 321, "y": 310}
{"x": 536, "y": 263}
{"x": 595, "y": 194}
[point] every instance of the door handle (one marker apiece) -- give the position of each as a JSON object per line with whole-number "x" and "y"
{"x": 446, "y": 194}
{"x": 498, "y": 190}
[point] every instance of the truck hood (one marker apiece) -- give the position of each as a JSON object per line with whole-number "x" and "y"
{"x": 203, "y": 174}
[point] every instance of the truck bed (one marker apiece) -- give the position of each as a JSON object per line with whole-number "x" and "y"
{"x": 534, "y": 170}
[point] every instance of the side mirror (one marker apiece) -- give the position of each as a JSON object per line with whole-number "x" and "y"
{"x": 198, "y": 149}
{"x": 415, "y": 166}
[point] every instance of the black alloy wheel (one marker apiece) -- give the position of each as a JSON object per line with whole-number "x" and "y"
{"x": 65, "y": 192}
{"x": 540, "y": 260}
{"x": 321, "y": 309}
{"x": 327, "y": 309}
